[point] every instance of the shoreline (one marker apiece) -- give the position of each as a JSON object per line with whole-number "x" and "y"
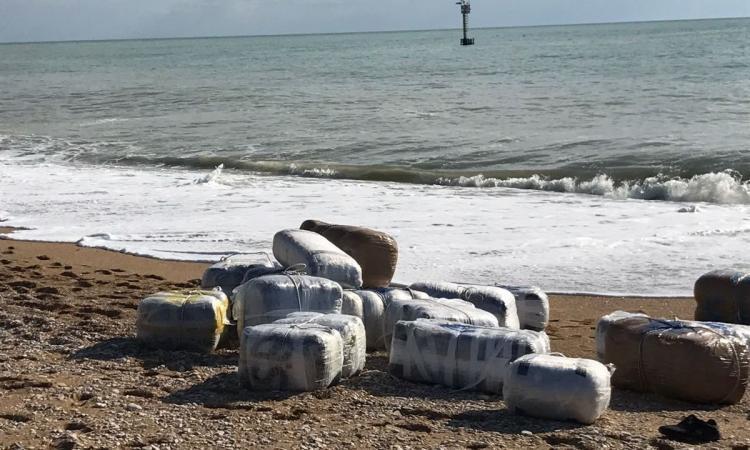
{"x": 6, "y": 234}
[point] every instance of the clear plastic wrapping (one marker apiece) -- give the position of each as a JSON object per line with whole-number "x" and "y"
{"x": 691, "y": 361}
{"x": 352, "y": 304}
{"x": 229, "y": 273}
{"x": 556, "y": 387}
{"x": 271, "y": 297}
{"x": 497, "y": 301}
{"x": 532, "y": 305}
{"x": 193, "y": 320}
{"x": 352, "y": 333}
{"x": 290, "y": 357}
{"x": 741, "y": 332}
{"x": 369, "y": 305}
{"x": 723, "y": 296}
{"x": 451, "y": 310}
{"x": 459, "y": 355}
{"x": 320, "y": 257}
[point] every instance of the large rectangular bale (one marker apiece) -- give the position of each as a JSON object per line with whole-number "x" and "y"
{"x": 376, "y": 252}
{"x": 451, "y": 310}
{"x": 320, "y": 257}
{"x": 556, "y": 387}
{"x": 495, "y": 300}
{"x": 686, "y": 361}
{"x": 723, "y": 296}
{"x": 193, "y": 320}
{"x": 741, "y": 332}
{"x": 271, "y": 297}
{"x": 532, "y": 305}
{"x": 352, "y": 332}
{"x": 290, "y": 357}
{"x": 459, "y": 355}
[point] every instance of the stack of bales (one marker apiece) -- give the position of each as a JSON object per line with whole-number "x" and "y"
{"x": 306, "y": 322}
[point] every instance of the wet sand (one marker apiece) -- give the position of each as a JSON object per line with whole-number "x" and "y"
{"x": 71, "y": 375}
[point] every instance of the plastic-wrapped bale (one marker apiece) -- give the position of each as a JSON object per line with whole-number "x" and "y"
{"x": 352, "y": 333}
{"x": 290, "y": 357}
{"x": 662, "y": 357}
{"x": 229, "y": 273}
{"x": 375, "y": 251}
{"x": 400, "y": 293}
{"x": 497, "y": 301}
{"x": 723, "y": 296}
{"x": 741, "y": 332}
{"x": 320, "y": 257}
{"x": 532, "y": 305}
{"x": 451, "y": 310}
{"x": 459, "y": 355}
{"x": 194, "y": 320}
{"x": 556, "y": 387}
{"x": 272, "y": 297}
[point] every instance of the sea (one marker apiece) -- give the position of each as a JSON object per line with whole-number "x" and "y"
{"x": 609, "y": 159}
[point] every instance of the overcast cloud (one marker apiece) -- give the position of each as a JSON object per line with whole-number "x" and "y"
{"x": 43, "y": 20}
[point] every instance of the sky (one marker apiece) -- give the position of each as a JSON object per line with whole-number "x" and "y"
{"x": 52, "y": 20}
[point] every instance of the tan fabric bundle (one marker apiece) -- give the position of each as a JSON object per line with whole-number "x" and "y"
{"x": 375, "y": 251}
{"x": 683, "y": 361}
{"x": 723, "y": 296}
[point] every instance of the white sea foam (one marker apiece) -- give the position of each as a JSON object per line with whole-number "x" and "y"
{"x": 562, "y": 241}
{"x": 716, "y": 187}
{"x": 104, "y": 121}
{"x": 210, "y": 177}
{"x": 315, "y": 172}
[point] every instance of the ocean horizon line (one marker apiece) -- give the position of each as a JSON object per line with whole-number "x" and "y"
{"x": 339, "y": 33}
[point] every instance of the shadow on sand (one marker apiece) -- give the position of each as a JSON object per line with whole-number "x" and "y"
{"x": 125, "y": 347}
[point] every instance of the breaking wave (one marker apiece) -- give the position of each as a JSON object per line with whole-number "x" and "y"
{"x": 725, "y": 187}
{"x": 684, "y": 183}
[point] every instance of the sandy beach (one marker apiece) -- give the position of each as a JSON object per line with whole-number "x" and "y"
{"x": 72, "y": 375}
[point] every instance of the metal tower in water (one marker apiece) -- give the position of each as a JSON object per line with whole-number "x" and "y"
{"x": 465, "y": 10}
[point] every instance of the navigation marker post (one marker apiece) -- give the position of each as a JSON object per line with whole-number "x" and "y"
{"x": 465, "y": 10}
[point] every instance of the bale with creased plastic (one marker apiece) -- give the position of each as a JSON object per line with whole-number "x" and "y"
{"x": 320, "y": 257}
{"x": 290, "y": 357}
{"x": 532, "y": 305}
{"x": 229, "y": 273}
{"x": 556, "y": 387}
{"x": 370, "y": 304}
{"x": 272, "y": 297}
{"x": 458, "y": 355}
{"x": 497, "y": 301}
{"x": 352, "y": 333}
{"x": 451, "y": 310}
{"x": 741, "y": 332}
{"x": 686, "y": 361}
{"x": 375, "y": 251}
{"x": 723, "y": 296}
{"x": 193, "y": 320}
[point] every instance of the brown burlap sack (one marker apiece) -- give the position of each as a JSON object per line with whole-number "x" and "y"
{"x": 375, "y": 251}
{"x": 689, "y": 363}
{"x": 723, "y": 296}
